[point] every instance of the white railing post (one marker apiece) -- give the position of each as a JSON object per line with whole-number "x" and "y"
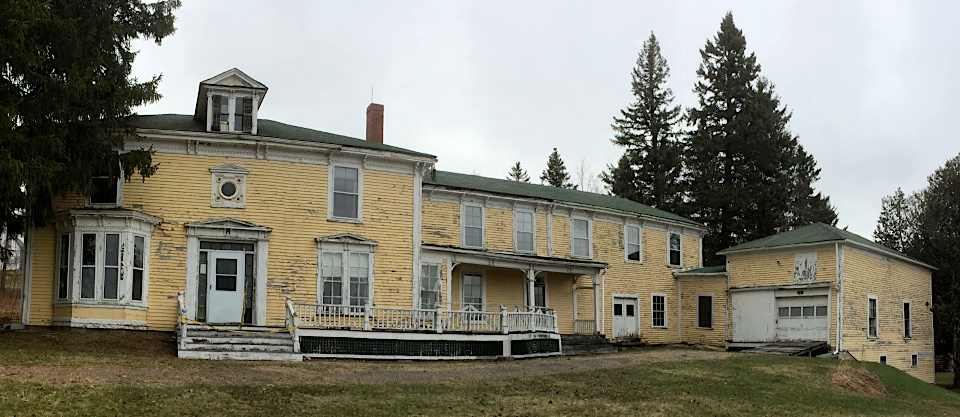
{"x": 503, "y": 320}
{"x": 366, "y": 316}
{"x": 556, "y": 328}
{"x": 438, "y": 318}
{"x": 293, "y": 323}
{"x": 181, "y": 316}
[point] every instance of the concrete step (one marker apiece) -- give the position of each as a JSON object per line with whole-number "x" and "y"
{"x": 287, "y": 341}
{"x": 242, "y": 356}
{"x": 223, "y": 334}
{"x": 213, "y": 347}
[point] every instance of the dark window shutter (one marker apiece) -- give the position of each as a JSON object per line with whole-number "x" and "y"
{"x": 247, "y": 114}
{"x": 215, "y": 124}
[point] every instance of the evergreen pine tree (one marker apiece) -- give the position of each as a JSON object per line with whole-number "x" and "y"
{"x": 66, "y": 90}
{"x": 648, "y": 130}
{"x": 898, "y": 225}
{"x": 556, "y": 173}
{"x": 748, "y": 177}
{"x": 518, "y": 174}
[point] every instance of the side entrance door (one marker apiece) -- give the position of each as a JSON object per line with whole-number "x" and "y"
{"x": 225, "y": 287}
{"x": 625, "y": 321}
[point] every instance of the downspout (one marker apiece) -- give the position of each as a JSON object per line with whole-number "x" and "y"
{"x": 839, "y": 261}
{"x": 603, "y": 304}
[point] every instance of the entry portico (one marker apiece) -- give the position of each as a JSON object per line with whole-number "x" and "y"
{"x": 458, "y": 263}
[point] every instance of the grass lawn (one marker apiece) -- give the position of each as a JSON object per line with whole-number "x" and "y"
{"x": 39, "y": 376}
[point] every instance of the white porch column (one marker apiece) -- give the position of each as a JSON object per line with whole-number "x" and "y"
{"x": 531, "y": 297}
{"x": 450, "y": 266}
{"x": 210, "y": 110}
{"x": 596, "y": 303}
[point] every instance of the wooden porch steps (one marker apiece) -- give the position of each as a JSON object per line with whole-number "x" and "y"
{"x": 248, "y": 343}
{"x": 586, "y": 345}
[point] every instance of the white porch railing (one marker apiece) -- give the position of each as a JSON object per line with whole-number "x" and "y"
{"x": 468, "y": 320}
{"x": 581, "y": 326}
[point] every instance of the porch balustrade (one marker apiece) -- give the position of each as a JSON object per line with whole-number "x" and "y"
{"x": 512, "y": 319}
{"x": 584, "y": 326}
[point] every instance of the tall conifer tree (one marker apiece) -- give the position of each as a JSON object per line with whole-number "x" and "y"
{"x": 518, "y": 174}
{"x": 748, "y": 176}
{"x": 649, "y": 171}
{"x": 556, "y": 173}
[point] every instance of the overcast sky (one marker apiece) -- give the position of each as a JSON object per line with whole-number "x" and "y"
{"x": 872, "y": 85}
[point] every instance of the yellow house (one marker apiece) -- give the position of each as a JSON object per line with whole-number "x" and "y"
{"x": 823, "y": 284}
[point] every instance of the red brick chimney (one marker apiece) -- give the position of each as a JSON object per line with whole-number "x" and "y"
{"x": 375, "y": 123}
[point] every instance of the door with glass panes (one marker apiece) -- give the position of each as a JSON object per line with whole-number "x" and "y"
{"x": 225, "y": 287}
{"x": 625, "y": 320}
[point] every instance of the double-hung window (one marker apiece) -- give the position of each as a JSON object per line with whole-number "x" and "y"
{"x": 348, "y": 286}
{"x": 345, "y": 271}
{"x": 674, "y": 248}
{"x": 429, "y": 286}
{"x": 523, "y": 231}
{"x": 580, "y": 238}
{"x": 63, "y": 267}
{"x": 539, "y": 292}
{"x": 108, "y": 189}
{"x": 907, "y": 323}
{"x": 872, "y": 330}
{"x": 472, "y": 226}
{"x": 472, "y": 292}
{"x": 632, "y": 243}
{"x": 346, "y": 193}
{"x": 659, "y": 310}
{"x": 705, "y": 311}
{"x": 242, "y": 112}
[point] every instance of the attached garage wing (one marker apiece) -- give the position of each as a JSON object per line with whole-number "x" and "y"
{"x": 803, "y": 318}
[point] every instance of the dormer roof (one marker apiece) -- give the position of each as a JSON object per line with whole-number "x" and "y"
{"x": 232, "y": 79}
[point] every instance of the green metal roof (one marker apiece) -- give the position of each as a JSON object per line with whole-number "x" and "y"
{"x": 523, "y": 189}
{"x": 706, "y": 270}
{"x": 815, "y": 233}
{"x": 267, "y": 128}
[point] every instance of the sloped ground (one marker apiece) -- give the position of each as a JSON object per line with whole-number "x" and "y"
{"x": 44, "y": 372}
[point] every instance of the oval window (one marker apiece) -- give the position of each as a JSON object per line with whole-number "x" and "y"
{"x": 228, "y": 189}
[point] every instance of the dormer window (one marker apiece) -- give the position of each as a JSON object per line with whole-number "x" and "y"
{"x": 229, "y": 101}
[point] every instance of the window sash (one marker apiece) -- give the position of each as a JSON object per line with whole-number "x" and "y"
{"x": 88, "y": 268}
{"x": 473, "y": 291}
{"x": 524, "y": 231}
{"x": 674, "y": 251}
{"x": 359, "y": 279}
{"x": 346, "y": 192}
{"x": 111, "y": 267}
{"x": 331, "y": 272}
{"x": 907, "y": 324}
{"x": 345, "y": 278}
{"x": 659, "y": 304}
{"x": 473, "y": 226}
{"x": 705, "y": 311}
{"x": 136, "y": 292}
{"x": 63, "y": 268}
{"x": 429, "y": 286}
{"x": 633, "y": 243}
{"x": 872, "y": 330}
{"x": 539, "y": 293}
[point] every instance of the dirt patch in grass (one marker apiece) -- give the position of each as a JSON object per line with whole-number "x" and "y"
{"x": 859, "y": 380}
{"x": 10, "y": 303}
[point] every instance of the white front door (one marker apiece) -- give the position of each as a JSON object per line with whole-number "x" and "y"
{"x": 225, "y": 287}
{"x": 803, "y": 318}
{"x": 625, "y": 321}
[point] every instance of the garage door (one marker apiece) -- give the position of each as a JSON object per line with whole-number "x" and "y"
{"x": 803, "y": 318}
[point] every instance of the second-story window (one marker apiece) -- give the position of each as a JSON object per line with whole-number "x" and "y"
{"x": 346, "y": 193}
{"x": 580, "y": 237}
{"x": 523, "y": 226}
{"x": 674, "y": 249}
{"x": 473, "y": 226}
{"x": 243, "y": 114}
{"x": 633, "y": 244}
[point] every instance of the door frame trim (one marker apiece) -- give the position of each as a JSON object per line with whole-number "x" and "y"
{"x": 635, "y": 297}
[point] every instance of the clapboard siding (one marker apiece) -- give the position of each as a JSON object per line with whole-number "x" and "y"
{"x": 289, "y": 197}
{"x": 891, "y": 282}
{"x": 691, "y": 288}
{"x": 776, "y": 268}
{"x": 441, "y": 223}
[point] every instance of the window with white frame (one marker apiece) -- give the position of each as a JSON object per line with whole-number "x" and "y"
{"x": 523, "y": 231}
{"x": 472, "y": 226}
{"x": 110, "y": 264}
{"x": 228, "y": 186}
{"x": 632, "y": 244}
{"x": 883, "y": 358}
{"x": 673, "y": 249}
{"x": 659, "y": 310}
{"x": 108, "y": 188}
{"x": 705, "y": 311}
{"x": 914, "y": 360}
{"x": 580, "y": 238}
{"x": 345, "y": 278}
{"x": 346, "y": 193}
{"x": 429, "y": 286}
{"x": 907, "y": 324}
{"x": 472, "y": 292}
{"x": 872, "y": 316}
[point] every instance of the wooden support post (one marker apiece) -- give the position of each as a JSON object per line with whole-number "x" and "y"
{"x": 531, "y": 297}
{"x": 596, "y": 304}
{"x": 438, "y": 318}
{"x": 503, "y": 319}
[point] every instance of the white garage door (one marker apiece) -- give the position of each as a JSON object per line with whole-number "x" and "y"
{"x": 803, "y": 318}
